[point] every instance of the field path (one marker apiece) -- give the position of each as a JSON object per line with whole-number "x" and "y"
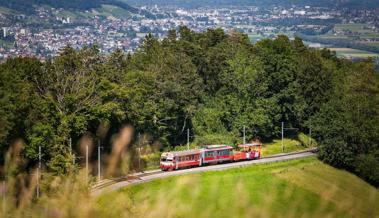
{"x": 117, "y": 183}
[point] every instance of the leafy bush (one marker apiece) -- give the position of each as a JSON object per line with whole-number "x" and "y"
{"x": 367, "y": 167}
{"x": 306, "y": 141}
{"x": 150, "y": 161}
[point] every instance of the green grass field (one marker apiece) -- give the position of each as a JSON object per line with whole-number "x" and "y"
{"x": 290, "y": 145}
{"x": 297, "y": 188}
{"x": 375, "y": 44}
{"x": 357, "y": 30}
{"x": 109, "y": 11}
{"x": 4, "y": 10}
{"x": 355, "y": 27}
{"x": 254, "y": 37}
{"x": 355, "y": 53}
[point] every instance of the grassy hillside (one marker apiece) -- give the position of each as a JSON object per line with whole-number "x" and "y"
{"x": 298, "y": 188}
{"x": 290, "y": 145}
{"x": 354, "y": 53}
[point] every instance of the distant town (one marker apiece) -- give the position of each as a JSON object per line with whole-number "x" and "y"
{"x": 43, "y": 34}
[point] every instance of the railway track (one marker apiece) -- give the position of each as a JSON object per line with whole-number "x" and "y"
{"x": 136, "y": 178}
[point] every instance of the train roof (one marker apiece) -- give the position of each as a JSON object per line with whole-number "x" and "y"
{"x": 181, "y": 153}
{"x": 249, "y": 145}
{"x": 214, "y": 147}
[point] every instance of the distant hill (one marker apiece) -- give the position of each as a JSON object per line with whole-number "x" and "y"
{"x": 28, "y": 6}
{"x": 199, "y": 3}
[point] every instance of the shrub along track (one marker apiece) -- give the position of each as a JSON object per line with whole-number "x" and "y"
{"x": 117, "y": 183}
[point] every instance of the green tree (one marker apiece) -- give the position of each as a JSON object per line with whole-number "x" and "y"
{"x": 16, "y": 97}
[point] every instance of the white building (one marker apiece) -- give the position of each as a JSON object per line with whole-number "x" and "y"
{"x": 5, "y": 32}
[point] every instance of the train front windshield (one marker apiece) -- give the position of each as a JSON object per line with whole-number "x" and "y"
{"x": 165, "y": 159}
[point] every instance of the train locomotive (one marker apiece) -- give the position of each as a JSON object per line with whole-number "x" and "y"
{"x": 209, "y": 154}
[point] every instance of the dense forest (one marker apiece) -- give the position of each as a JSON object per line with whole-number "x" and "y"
{"x": 212, "y": 83}
{"x": 27, "y": 7}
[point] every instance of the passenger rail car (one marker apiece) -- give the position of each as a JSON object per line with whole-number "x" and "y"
{"x": 180, "y": 159}
{"x": 209, "y": 154}
{"x": 216, "y": 154}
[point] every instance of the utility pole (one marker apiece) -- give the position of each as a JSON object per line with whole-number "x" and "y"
{"x": 87, "y": 163}
{"x": 69, "y": 142}
{"x": 188, "y": 136}
{"x": 310, "y": 136}
{"x": 282, "y": 137}
{"x": 71, "y": 153}
{"x": 4, "y": 195}
{"x": 98, "y": 161}
{"x": 283, "y": 134}
{"x": 139, "y": 151}
{"x": 38, "y": 170}
{"x": 244, "y": 135}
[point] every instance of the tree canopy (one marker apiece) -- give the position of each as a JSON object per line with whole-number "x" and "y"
{"x": 213, "y": 83}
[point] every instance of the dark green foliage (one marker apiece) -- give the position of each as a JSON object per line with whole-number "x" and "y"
{"x": 16, "y": 98}
{"x": 28, "y": 7}
{"x": 212, "y": 83}
{"x": 347, "y": 125}
{"x": 367, "y": 167}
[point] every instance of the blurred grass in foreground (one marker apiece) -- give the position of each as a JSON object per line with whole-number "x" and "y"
{"x": 298, "y": 188}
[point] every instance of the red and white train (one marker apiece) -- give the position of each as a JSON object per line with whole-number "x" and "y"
{"x": 209, "y": 154}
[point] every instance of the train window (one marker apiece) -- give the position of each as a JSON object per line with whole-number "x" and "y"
{"x": 224, "y": 153}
